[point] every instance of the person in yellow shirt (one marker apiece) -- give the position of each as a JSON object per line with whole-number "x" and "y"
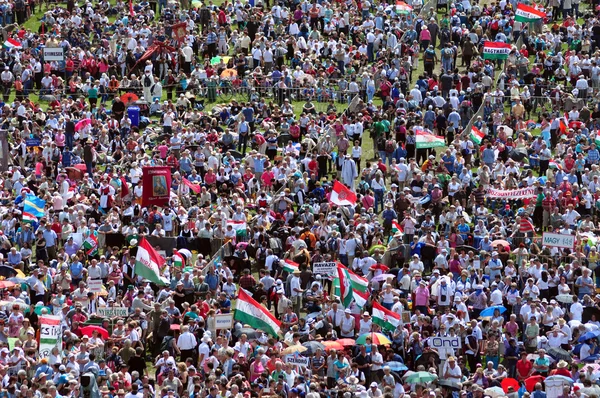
{"x": 518, "y": 110}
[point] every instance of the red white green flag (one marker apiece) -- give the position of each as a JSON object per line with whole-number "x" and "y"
{"x": 91, "y": 245}
{"x": 525, "y": 13}
{"x": 494, "y": 50}
{"x": 29, "y": 218}
{"x": 385, "y": 318}
{"x": 250, "y": 312}
{"x": 476, "y": 135}
{"x": 427, "y": 140}
{"x": 290, "y": 266}
{"x": 148, "y": 263}
{"x": 396, "y": 227}
{"x": 178, "y": 259}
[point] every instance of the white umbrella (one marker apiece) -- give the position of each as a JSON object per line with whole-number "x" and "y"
{"x": 565, "y": 298}
{"x": 186, "y": 253}
{"x": 507, "y": 130}
{"x": 494, "y": 392}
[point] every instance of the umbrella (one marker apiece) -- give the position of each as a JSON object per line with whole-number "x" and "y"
{"x": 396, "y": 366}
{"x": 17, "y": 280}
{"x": 500, "y": 242}
{"x": 587, "y": 336}
{"x": 428, "y": 359}
{"x": 129, "y": 97}
{"x": 83, "y": 123}
{"x": 6, "y": 284}
{"x": 376, "y": 338}
{"x": 186, "y": 253}
{"x": 249, "y": 332}
{"x": 588, "y": 312}
{"x": 565, "y": 298}
{"x": 347, "y": 342}
{"x": 88, "y": 330}
{"x": 466, "y": 248}
{"x": 420, "y": 377}
{"x": 558, "y": 354}
{"x": 509, "y": 382}
{"x": 175, "y": 326}
{"x": 380, "y": 266}
{"x": 7, "y": 272}
{"x": 215, "y": 60}
{"x": 299, "y": 244}
{"x": 312, "y": 347}
{"x": 375, "y": 247}
{"x": 507, "y": 130}
{"x": 558, "y": 379}
{"x": 594, "y": 366}
{"x": 381, "y": 277}
{"x": 494, "y": 392}
{"x": 294, "y": 349}
{"x": 228, "y": 73}
{"x": 490, "y": 310}
{"x": 332, "y": 345}
{"x": 450, "y": 384}
{"x": 532, "y": 381}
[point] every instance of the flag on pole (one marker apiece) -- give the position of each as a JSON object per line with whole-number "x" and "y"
{"x": 526, "y": 226}
{"x": 525, "y": 13}
{"x": 248, "y": 311}
{"x": 427, "y": 140}
{"x": 12, "y": 43}
{"x": 148, "y": 263}
{"x": 396, "y": 227}
{"x": 385, "y": 318}
{"x": 476, "y": 135}
{"x": 34, "y": 206}
{"x": 495, "y": 50}
{"x": 342, "y": 195}
{"x": 131, "y": 12}
{"x": 90, "y": 245}
{"x": 360, "y": 298}
{"x": 29, "y": 218}
{"x": 239, "y": 227}
{"x": 191, "y": 185}
{"x": 290, "y": 266}
{"x": 345, "y": 285}
{"x": 556, "y": 165}
{"x": 178, "y": 259}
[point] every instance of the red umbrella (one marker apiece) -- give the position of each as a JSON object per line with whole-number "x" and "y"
{"x": 175, "y": 326}
{"x": 509, "y": 382}
{"x": 532, "y": 381}
{"x": 382, "y": 267}
{"x": 88, "y": 330}
{"x": 332, "y": 345}
{"x": 6, "y": 284}
{"x": 346, "y": 342}
{"x": 129, "y": 97}
{"x": 83, "y": 123}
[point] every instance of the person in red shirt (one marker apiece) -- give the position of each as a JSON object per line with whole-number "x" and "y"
{"x": 524, "y": 367}
{"x": 561, "y": 369}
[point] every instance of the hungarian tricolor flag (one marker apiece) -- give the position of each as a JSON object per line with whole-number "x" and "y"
{"x": 91, "y": 245}
{"x": 148, "y": 263}
{"x": 249, "y": 312}
{"x": 427, "y": 140}
{"x": 239, "y": 227}
{"x": 192, "y": 186}
{"x": 526, "y": 13}
{"x": 178, "y": 259}
{"x": 597, "y": 139}
{"x": 555, "y": 164}
{"x": 526, "y": 226}
{"x": 342, "y": 195}
{"x": 385, "y": 318}
{"x": 12, "y": 43}
{"x": 494, "y": 50}
{"x": 403, "y": 8}
{"x": 29, "y": 218}
{"x": 476, "y": 135}
{"x": 396, "y": 227}
{"x": 290, "y": 266}
{"x": 360, "y": 298}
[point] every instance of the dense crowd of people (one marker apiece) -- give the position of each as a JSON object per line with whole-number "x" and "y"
{"x": 363, "y": 199}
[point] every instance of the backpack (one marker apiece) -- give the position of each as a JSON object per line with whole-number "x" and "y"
{"x": 333, "y": 245}
{"x": 389, "y": 146}
{"x": 166, "y": 345}
{"x": 147, "y": 81}
{"x": 495, "y": 26}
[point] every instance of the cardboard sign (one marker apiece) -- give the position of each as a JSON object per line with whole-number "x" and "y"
{"x": 558, "y": 240}
{"x": 223, "y": 321}
{"x": 445, "y": 342}
{"x": 297, "y": 360}
{"x": 95, "y": 285}
{"x": 112, "y": 312}
{"x": 329, "y": 268}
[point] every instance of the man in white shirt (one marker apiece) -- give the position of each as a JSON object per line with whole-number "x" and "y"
{"x": 334, "y": 316}
{"x": 296, "y": 291}
{"x": 187, "y": 343}
{"x": 347, "y": 324}
{"x": 576, "y": 310}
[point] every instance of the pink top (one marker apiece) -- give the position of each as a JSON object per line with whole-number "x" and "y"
{"x": 39, "y": 167}
{"x": 59, "y": 138}
{"x": 163, "y": 149}
{"x": 422, "y": 296}
{"x": 425, "y": 34}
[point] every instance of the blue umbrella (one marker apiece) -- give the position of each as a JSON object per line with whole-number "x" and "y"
{"x": 586, "y": 336}
{"x": 489, "y": 311}
{"x": 396, "y": 366}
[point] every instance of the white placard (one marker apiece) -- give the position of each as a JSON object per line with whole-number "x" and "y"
{"x": 50, "y": 334}
{"x": 77, "y": 238}
{"x": 558, "y": 240}
{"x": 112, "y": 312}
{"x": 297, "y": 360}
{"x": 223, "y": 321}
{"x": 95, "y": 285}
{"x": 445, "y": 342}
{"x": 329, "y": 268}
{"x": 54, "y": 54}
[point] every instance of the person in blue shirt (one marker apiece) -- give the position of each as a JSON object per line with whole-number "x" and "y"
{"x": 448, "y": 160}
{"x": 224, "y": 303}
{"x": 76, "y": 271}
